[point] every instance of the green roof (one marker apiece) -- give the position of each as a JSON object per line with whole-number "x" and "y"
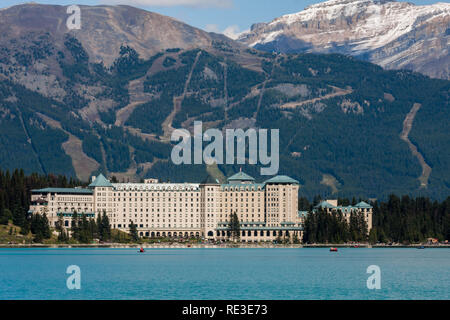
{"x": 63, "y": 190}
{"x": 363, "y": 204}
{"x": 100, "y": 181}
{"x": 282, "y": 179}
{"x": 241, "y": 176}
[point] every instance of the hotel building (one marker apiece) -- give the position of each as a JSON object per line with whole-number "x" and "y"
{"x": 266, "y": 211}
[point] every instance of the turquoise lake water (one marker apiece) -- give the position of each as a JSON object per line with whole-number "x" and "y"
{"x": 242, "y": 274}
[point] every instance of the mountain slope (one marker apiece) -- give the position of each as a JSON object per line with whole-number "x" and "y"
{"x": 104, "y": 29}
{"x": 341, "y": 120}
{"x": 394, "y": 35}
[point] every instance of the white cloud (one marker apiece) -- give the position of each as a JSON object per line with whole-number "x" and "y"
{"x": 232, "y": 31}
{"x": 173, "y": 3}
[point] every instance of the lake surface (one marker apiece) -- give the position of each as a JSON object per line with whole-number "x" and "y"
{"x": 218, "y": 274}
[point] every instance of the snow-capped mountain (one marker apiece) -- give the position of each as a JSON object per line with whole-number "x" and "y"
{"x": 395, "y": 35}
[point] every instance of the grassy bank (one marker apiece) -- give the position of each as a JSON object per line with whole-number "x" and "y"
{"x": 10, "y": 234}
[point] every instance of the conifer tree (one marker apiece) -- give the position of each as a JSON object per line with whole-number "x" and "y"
{"x": 93, "y": 229}
{"x": 99, "y": 227}
{"x": 447, "y": 226}
{"x": 235, "y": 226}
{"x": 25, "y": 229}
{"x": 85, "y": 233}
{"x": 2, "y": 205}
{"x": 40, "y": 227}
{"x": 18, "y": 215}
{"x": 134, "y": 232}
{"x": 105, "y": 228}
{"x": 63, "y": 235}
{"x": 295, "y": 239}
{"x": 75, "y": 226}
{"x": 45, "y": 226}
{"x": 5, "y": 217}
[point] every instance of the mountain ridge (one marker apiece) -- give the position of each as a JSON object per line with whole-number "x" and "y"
{"x": 103, "y": 25}
{"x": 395, "y": 35}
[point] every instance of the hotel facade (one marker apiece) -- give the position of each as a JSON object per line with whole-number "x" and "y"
{"x": 266, "y": 211}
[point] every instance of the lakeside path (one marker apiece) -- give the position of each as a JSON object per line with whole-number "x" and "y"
{"x": 216, "y": 246}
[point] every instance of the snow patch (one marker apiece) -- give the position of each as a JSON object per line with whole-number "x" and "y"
{"x": 367, "y": 24}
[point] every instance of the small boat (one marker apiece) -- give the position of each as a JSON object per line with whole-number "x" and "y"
{"x": 421, "y": 247}
{"x": 141, "y": 250}
{"x": 333, "y": 249}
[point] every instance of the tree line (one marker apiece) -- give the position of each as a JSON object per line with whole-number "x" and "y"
{"x": 410, "y": 220}
{"x": 333, "y": 227}
{"x": 399, "y": 219}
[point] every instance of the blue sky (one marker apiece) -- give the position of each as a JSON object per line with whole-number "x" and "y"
{"x": 212, "y": 15}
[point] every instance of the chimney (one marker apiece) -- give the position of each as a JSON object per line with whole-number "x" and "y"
{"x": 333, "y": 202}
{"x": 151, "y": 181}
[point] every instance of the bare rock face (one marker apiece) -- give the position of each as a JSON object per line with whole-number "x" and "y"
{"x": 394, "y": 35}
{"x": 104, "y": 29}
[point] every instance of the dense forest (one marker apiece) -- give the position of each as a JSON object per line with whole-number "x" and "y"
{"x": 400, "y": 220}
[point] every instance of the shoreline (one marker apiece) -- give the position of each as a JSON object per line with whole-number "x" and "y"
{"x": 213, "y": 246}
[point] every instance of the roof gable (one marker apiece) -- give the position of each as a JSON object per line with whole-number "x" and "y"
{"x": 363, "y": 204}
{"x": 241, "y": 176}
{"x": 101, "y": 181}
{"x": 282, "y": 179}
